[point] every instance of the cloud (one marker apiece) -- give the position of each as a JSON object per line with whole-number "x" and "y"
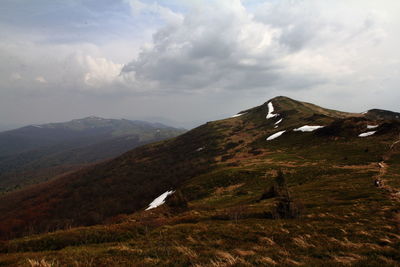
{"x": 40, "y": 79}
{"x": 283, "y": 45}
{"x": 214, "y": 47}
{"x": 15, "y": 76}
{"x": 166, "y": 14}
{"x": 168, "y": 57}
{"x": 100, "y": 71}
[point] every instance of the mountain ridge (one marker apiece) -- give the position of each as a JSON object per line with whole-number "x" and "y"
{"x": 26, "y": 152}
{"x": 228, "y": 195}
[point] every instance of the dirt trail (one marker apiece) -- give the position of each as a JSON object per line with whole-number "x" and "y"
{"x": 383, "y": 168}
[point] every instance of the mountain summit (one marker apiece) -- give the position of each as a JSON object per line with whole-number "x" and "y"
{"x": 291, "y": 106}
{"x": 320, "y": 183}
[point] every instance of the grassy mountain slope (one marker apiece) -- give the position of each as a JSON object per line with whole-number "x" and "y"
{"x": 43, "y": 151}
{"x": 224, "y": 170}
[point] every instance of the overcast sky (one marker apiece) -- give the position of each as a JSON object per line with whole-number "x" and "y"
{"x": 193, "y": 61}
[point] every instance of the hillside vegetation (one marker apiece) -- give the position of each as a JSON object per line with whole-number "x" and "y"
{"x": 321, "y": 197}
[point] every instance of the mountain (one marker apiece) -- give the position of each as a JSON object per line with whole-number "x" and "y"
{"x": 6, "y": 127}
{"x": 286, "y": 183}
{"x": 91, "y": 128}
{"x": 39, "y": 152}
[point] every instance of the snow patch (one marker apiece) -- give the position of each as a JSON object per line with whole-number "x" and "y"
{"x": 200, "y": 149}
{"x": 372, "y": 126}
{"x": 37, "y": 126}
{"x": 159, "y": 200}
{"x": 275, "y": 135}
{"x": 307, "y": 128}
{"x": 238, "y": 115}
{"x": 270, "y": 111}
{"x": 367, "y": 134}
{"x": 276, "y": 123}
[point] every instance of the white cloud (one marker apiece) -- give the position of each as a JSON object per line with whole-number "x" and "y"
{"x": 216, "y": 46}
{"x": 230, "y": 53}
{"x": 40, "y": 79}
{"x": 222, "y": 46}
{"x": 284, "y": 45}
{"x": 100, "y": 71}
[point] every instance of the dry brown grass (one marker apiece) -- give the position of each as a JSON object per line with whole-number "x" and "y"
{"x": 292, "y": 262}
{"x": 266, "y": 261}
{"x": 301, "y": 242}
{"x": 244, "y": 253}
{"x": 124, "y": 248}
{"x": 224, "y": 259}
{"x": 267, "y": 241}
{"x": 42, "y": 263}
{"x": 151, "y": 261}
{"x": 222, "y": 190}
{"x": 347, "y": 259}
{"x": 187, "y": 252}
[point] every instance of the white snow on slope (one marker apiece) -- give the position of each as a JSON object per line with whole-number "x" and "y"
{"x": 276, "y": 123}
{"x": 275, "y": 135}
{"x": 159, "y": 200}
{"x": 307, "y": 128}
{"x": 200, "y": 149}
{"x": 270, "y": 111}
{"x": 372, "y": 126}
{"x": 367, "y": 134}
{"x": 238, "y": 115}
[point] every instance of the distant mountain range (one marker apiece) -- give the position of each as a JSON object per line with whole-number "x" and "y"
{"x": 38, "y": 152}
{"x": 287, "y": 183}
{"x": 7, "y": 127}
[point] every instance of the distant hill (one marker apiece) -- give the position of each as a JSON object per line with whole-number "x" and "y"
{"x": 91, "y": 128}
{"x": 287, "y": 183}
{"x": 26, "y": 153}
{"x": 7, "y": 127}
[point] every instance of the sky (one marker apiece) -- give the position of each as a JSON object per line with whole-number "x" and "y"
{"x": 191, "y": 61}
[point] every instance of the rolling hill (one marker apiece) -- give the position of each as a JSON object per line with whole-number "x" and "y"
{"x": 286, "y": 183}
{"x": 37, "y": 153}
